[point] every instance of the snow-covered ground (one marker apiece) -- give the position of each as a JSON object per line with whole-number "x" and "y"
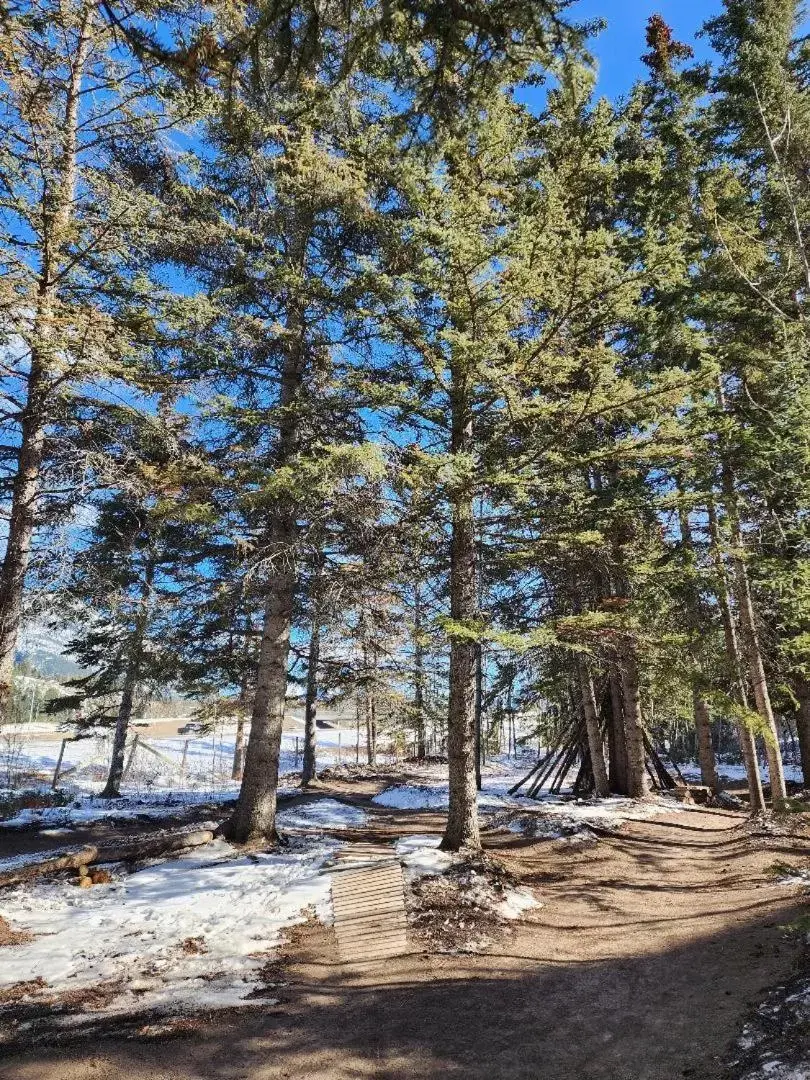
{"x": 691, "y": 772}
{"x": 191, "y": 932}
{"x": 550, "y": 816}
{"x": 322, "y": 813}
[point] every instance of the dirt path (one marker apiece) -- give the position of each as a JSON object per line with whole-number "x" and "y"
{"x": 641, "y": 965}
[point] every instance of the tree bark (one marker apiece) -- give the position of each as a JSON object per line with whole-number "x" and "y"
{"x": 239, "y": 748}
{"x": 637, "y": 780}
{"x": 700, "y": 707}
{"x": 112, "y": 789}
{"x": 748, "y": 744}
{"x": 802, "y": 688}
{"x": 479, "y": 712}
{"x": 57, "y": 211}
{"x": 705, "y": 749}
{"x": 418, "y": 675}
{"x": 462, "y": 830}
{"x": 617, "y": 744}
{"x": 255, "y": 815}
{"x": 311, "y": 703}
{"x": 750, "y": 642}
{"x": 371, "y": 729}
{"x": 594, "y": 731}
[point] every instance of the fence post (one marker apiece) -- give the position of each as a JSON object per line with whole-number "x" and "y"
{"x": 131, "y": 757}
{"x": 58, "y": 765}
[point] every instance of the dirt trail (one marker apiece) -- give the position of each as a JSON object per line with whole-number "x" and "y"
{"x": 641, "y": 965}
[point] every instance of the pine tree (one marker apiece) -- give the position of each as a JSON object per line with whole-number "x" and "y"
{"x": 74, "y": 220}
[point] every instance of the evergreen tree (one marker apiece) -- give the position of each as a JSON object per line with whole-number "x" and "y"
{"x": 77, "y": 122}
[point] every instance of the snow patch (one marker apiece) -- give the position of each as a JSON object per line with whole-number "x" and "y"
{"x": 190, "y": 932}
{"x": 421, "y": 855}
{"x": 323, "y": 814}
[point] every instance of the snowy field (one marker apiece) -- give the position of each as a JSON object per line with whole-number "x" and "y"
{"x": 166, "y": 774}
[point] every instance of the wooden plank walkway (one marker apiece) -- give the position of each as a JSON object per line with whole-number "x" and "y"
{"x": 369, "y": 903}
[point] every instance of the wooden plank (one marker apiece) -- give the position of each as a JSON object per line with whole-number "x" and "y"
{"x": 369, "y": 908}
{"x": 391, "y": 903}
{"x": 360, "y": 895}
{"x": 372, "y": 925}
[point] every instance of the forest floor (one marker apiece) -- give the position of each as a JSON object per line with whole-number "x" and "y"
{"x": 652, "y": 944}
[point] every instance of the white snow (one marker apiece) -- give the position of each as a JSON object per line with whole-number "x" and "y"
{"x": 515, "y": 902}
{"x": 728, "y": 771}
{"x": 421, "y": 855}
{"x": 233, "y": 907}
{"x": 324, "y": 814}
{"x": 564, "y": 815}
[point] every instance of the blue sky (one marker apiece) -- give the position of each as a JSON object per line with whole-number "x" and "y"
{"x": 619, "y": 47}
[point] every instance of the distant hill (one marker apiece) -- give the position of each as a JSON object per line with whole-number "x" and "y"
{"x": 45, "y": 651}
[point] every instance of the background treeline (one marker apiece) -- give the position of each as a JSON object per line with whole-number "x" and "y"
{"x": 363, "y": 345}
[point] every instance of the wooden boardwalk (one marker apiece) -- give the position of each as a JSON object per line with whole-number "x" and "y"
{"x": 369, "y": 903}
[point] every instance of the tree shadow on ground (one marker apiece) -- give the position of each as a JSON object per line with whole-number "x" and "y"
{"x": 651, "y": 1015}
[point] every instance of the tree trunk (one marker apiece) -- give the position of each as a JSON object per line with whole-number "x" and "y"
{"x": 705, "y": 750}
{"x": 255, "y": 815}
{"x": 418, "y": 675}
{"x": 637, "y": 780}
{"x": 700, "y": 707}
{"x": 239, "y": 748}
{"x": 595, "y": 745}
{"x": 462, "y": 829}
{"x": 759, "y": 684}
{"x": 371, "y": 730}
{"x": 750, "y": 642}
{"x": 112, "y": 789}
{"x": 803, "y": 726}
{"x": 479, "y": 703}
{"x": 748, "y": 744}
{"x": 617, "y": 744}
{"x": 57, "y": 211}
{"x": 311, "y": 703}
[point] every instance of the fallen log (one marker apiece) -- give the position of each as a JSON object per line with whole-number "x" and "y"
{"x": 91, "y": 855}
{"x": 28, "y": 871}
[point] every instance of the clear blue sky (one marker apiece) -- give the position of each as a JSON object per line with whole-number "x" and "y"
{"x": 619, "y": 47}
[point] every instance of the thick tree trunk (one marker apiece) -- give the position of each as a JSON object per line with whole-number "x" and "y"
{"x": 255, "y": 815}
{"x": 57, "y": 211}
{"x": 705, "y": 749}
{"x": 311, "y": 704}
{"x": 802, "y": 688}
{"x": 112, "y": 789}
{"x": 748, "y": 745}
{"x": 617, "y": 744}
{"x": 25, "y": 492}
{"x": 637, "y": 780}
{"x": 462, "y": 829}
{"x": 594, "y": 731}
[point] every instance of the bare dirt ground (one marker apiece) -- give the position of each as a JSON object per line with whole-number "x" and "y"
{"x": 649, "y": 950}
